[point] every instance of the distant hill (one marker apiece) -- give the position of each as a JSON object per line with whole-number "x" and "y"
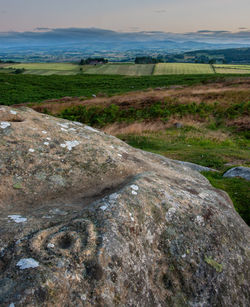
{"x": 73, "y": 44}
{"x": 228, "y": 56}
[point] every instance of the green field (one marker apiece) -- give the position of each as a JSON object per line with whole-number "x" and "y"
{"x": 72, "y": 69}
{"x": 21, "y": 88}
{"x": 126, "y": 69}
{"x": 232, "y": 69}
{"x": 113, "y": 69}
{"x": 47, "y": 68}
{"x": 182, "y": 68}
{"x": 120, "y": 69}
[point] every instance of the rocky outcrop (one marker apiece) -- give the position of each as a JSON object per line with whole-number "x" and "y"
{"x": 87, "y": 220}
{"x": 196, "y": 167}
{"x": 239, "y": 171}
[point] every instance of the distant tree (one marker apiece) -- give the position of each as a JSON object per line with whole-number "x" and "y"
{"x": 202, "y": 59}
{"x": 212, "y": 61}
{"x": 148, "y": 60}
{"x": 93, "y": 61}
{"x": 7, "y": 62}
{"x": 19, "y": 71}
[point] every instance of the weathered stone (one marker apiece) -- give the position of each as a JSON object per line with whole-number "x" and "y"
{"x": 239, "y": 171}
{"x": 178, "y": 125}
{"x": 99, "y": 223}
{"x": 196, "y": 167}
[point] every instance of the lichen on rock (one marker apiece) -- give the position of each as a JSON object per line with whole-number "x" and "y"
{"x": 99, "y": 223}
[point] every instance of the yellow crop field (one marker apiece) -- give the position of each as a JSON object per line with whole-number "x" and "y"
{"x": 182, "y": 68}
{"x": 126, "y": 69}
{"x": 118, "y": 69}
{"x": 232, "y": 69}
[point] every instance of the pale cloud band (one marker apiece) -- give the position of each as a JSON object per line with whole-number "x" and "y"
{"x": 95, "y": 34}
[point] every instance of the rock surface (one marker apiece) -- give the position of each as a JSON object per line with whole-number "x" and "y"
{"x": 239, "y": 171}
{"x": 87, "y": 220}
{"x": 196, "y": 167}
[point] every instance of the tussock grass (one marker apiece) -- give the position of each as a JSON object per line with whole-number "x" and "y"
{"x": 238, "y": 190}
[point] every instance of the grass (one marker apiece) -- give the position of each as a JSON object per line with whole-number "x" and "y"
{"x": 238, "y": 190}
{"x": 202, "y": 147}
{"x": 194, "y": 145}
{"x": 211, "y": 134}
{"x": 15, "y": 89}
{"x": 101, "y": 116}
{"x": 182, "y": 68}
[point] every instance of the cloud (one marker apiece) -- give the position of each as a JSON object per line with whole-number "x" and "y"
{"x": 220, "y": 35}
{"x": 134, "y": 28}
{"x": 243, "y": 28}
{"x": 212, "y": 32}
{"x": 42, "y": 29}
{"x": 85, "y": 35}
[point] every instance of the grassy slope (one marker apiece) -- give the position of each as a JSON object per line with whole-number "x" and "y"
{"x": 16, "y": 89}
{"x": 211, "y": 143}
{"x": 184, "y": 144}
{"x": 209, "y": 134}
{"x": 238, "y": 190}
{"x": 197, "y": 146}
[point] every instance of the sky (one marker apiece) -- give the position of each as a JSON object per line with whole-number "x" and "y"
{"x": 176, "y": 16}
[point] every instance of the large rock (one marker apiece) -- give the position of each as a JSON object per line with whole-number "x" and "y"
{"x": 239, "y": 171}
{"x": 88, "y": 220}
{"x": 196, "y": 167}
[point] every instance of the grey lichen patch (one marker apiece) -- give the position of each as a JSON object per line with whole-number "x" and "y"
{"x": 41, "y": 176}
{"x": 217, "y": 266}
{"x": 135, "y": 189}
{"x": 17, "y": 218}
{"x": 27, "y": 263}
{"x": 58, "y": 180}
{"x": 170, "y": 214}
{"x": 64, "y": 125}
{"x": 70, "y": 144}
{"x": 4, "y": 125}
{"x": 91, "y": 129}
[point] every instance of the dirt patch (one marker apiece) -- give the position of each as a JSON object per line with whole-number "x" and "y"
{"x": 242, "y": 124}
